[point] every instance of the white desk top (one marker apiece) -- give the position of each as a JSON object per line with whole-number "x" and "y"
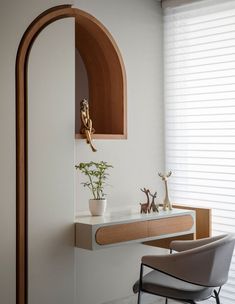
{"x": 126, "y": 216}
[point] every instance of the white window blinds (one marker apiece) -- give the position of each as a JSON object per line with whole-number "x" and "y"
{"x": 199, "y": 48}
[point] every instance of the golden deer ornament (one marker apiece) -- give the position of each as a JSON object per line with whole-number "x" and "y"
{"x": 87, "y": 128}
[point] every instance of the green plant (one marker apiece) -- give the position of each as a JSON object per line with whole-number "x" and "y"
{"x": 97, "y": 175}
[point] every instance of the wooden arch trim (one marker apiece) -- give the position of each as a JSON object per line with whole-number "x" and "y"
{"x": 26, "y": 43}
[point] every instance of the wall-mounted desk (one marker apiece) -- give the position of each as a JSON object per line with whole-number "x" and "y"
{"x": 96, "y": 232}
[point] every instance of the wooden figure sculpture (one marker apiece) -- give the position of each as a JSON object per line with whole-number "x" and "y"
{"x": 87, "y": 128}
{"x": 145, "y": 207}
{"x": 153, "y": 206}
{"x": 166, "y": 202}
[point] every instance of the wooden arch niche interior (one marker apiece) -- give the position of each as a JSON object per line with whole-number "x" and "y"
{"x": 107, "y": 97}
{"x": 105, "y": 80}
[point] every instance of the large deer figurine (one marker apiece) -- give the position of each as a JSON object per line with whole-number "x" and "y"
{"x": 145, "y": 207}
{"x": 153, "y": 206}
{"x": 166, "y": 202}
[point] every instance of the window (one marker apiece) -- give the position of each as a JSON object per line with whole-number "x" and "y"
{"x": 199, "y": 46}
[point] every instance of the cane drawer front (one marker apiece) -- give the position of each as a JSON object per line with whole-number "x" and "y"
{"x": 121, "y": 233}
{"x": 170, "y": 225}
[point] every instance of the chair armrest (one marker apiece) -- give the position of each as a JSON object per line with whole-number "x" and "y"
{"x": 186, "y": 245}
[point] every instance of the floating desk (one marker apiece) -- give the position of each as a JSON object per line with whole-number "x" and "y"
{"x": 96, "y": 232}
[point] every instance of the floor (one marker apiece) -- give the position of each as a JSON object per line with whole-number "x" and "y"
{"x": 148, "y": 299}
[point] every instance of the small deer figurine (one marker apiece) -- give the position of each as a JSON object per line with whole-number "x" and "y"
{"x": 153, "y": 206}
{"x": 166, "y": 202}
{"x": 145, "y": 207}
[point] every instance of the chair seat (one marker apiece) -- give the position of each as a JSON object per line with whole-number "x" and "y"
{"x": 166, "y": 286}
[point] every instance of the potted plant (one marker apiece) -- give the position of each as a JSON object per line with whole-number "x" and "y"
{"x": 97, "y": 176}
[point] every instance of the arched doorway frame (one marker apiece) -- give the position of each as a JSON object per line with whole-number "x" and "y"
{"x": 43, "y": 20}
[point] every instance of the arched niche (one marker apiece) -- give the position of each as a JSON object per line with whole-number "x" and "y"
{"x": 106, "y": 79}
{"x": 108, "y": 107}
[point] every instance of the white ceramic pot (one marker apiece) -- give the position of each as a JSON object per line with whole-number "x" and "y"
{"x": 97, "y": 206}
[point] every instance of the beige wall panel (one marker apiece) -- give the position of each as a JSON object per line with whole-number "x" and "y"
{"x": 51, "y": 165}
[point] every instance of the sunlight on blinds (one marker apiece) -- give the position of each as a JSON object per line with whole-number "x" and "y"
{"x": 199, "y": 48}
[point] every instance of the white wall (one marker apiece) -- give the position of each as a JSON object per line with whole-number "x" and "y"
{"x": 136, "y": 25}
{"x": 15, "y": 16}
{"x": 81, "y": 85}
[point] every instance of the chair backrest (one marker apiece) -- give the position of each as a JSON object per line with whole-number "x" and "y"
{"x": 207, "y": 264}
{"x": 220, "y": 252}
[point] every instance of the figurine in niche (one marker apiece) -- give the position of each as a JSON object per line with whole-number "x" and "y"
{"x": 87, "y": 128}
{"x": 166, "y": 203}
{"x": 153, "y": 206}
{"x": 145, "y": 207}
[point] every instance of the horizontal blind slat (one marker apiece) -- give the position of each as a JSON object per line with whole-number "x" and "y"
{"x": 199, "y": 50}
{"x": 211, "y": 104}
{"x": 189, "y": 40}
{"x": 176, "y": 83}
{"x": 203, "y": 66}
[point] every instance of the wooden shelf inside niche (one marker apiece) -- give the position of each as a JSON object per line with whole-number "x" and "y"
{"x": 98, "y": 54}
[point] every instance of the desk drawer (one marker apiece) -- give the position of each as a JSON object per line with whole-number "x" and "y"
{"x": 170, "y": 225}
{"x": 121, "y": 233}
{"x": 139, "y": 230}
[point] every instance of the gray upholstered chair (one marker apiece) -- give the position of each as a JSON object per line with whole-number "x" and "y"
{"x": 195, "y": 272}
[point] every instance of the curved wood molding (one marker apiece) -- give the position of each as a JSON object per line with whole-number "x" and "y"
{"x": 46, "y": 18}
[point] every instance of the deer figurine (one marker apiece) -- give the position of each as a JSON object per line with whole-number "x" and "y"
{"x": 145, "y": 207}
{"x": 166, "y": 203}
{"x": 153, "y": 206}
